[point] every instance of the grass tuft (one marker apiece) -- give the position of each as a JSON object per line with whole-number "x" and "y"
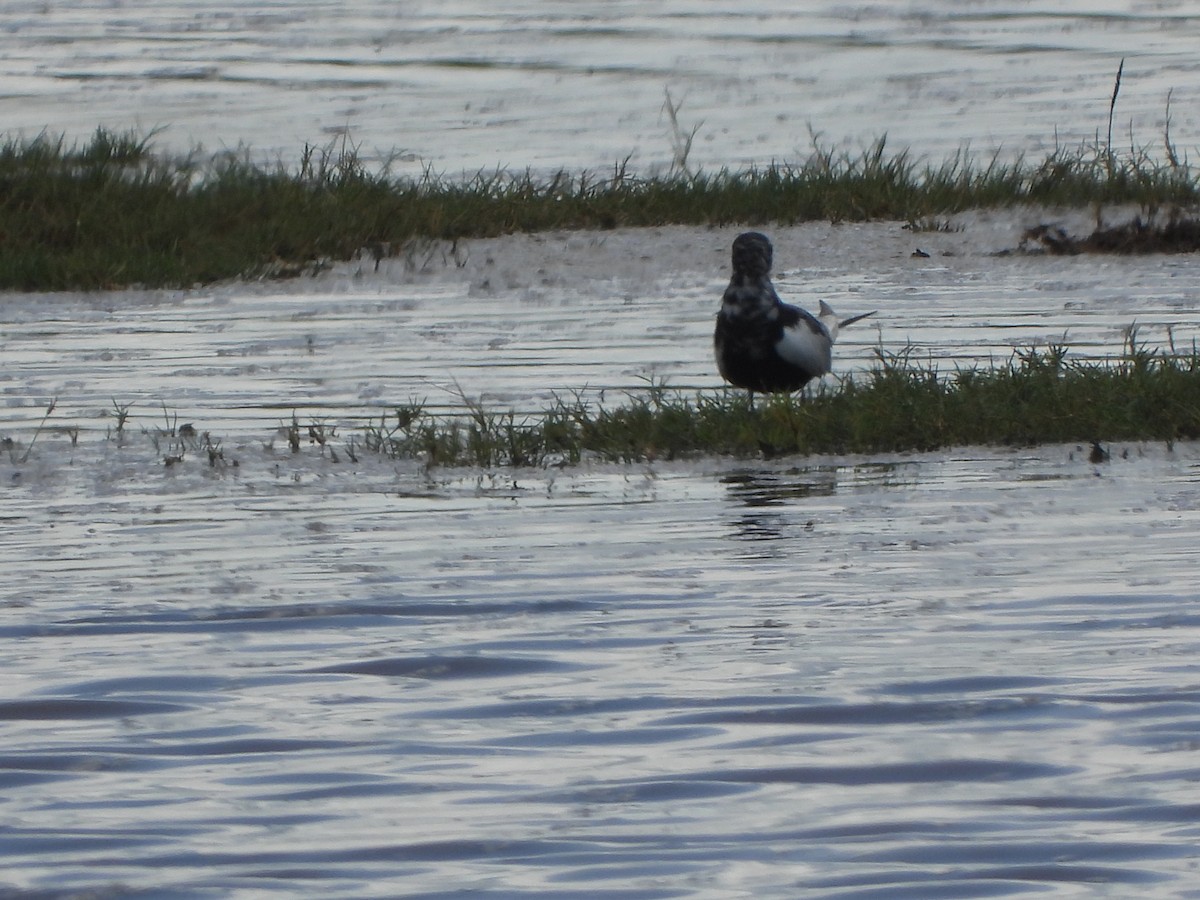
{"x": 901, "y": 404}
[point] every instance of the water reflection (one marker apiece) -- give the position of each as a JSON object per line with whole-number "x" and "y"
{"x": 771, "y": 504}
{"x": 765, "y": 488}
{"x": 885, "y": 474}
{"x": 766, "y": 499}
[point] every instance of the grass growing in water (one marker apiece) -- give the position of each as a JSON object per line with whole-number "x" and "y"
{"x": 113, "y": 212}
{"x": 1039, "y": 396}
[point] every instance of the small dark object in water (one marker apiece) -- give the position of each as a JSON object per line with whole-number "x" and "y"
{"x": 1098, "y": 454}
{"x": 763, "y": 344}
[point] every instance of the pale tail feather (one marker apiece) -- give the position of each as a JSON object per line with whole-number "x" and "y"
{"x": 829, "y": 318}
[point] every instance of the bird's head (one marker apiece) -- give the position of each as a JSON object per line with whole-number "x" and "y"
{"x": 752, "y": 255}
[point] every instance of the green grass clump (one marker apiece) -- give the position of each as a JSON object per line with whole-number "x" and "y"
{"x": 113, "y": 212}
{"x": 900, "y": 404}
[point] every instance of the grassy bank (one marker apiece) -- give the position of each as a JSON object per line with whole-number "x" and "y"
{"x": 1039, "y": 396}
{"x": 115, "y": 212}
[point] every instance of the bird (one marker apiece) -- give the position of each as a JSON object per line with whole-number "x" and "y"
{"x": 762, "y": 344}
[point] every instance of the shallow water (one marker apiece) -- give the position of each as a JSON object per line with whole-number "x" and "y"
{"x": 967, "y": 673}
{"x": 466, "y": 86}
{"x": 964, "y": 674}
{"x": 516, "y": 322}
{"x": 959, "y": 674}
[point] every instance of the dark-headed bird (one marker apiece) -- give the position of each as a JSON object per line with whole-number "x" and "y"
{"x": 763, "y": 344}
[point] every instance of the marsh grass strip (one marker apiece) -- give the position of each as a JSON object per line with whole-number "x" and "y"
{"x": 113, "y": 212}
{"x": 900, "y": 404}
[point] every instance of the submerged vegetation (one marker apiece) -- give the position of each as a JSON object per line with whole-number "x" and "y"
{"x": 1039, "y": 396}
{"x": 113, "y": 212}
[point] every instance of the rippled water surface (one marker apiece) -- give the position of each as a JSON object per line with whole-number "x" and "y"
{"x": 326, "y": 674}
{"x": 547, "y": 84}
